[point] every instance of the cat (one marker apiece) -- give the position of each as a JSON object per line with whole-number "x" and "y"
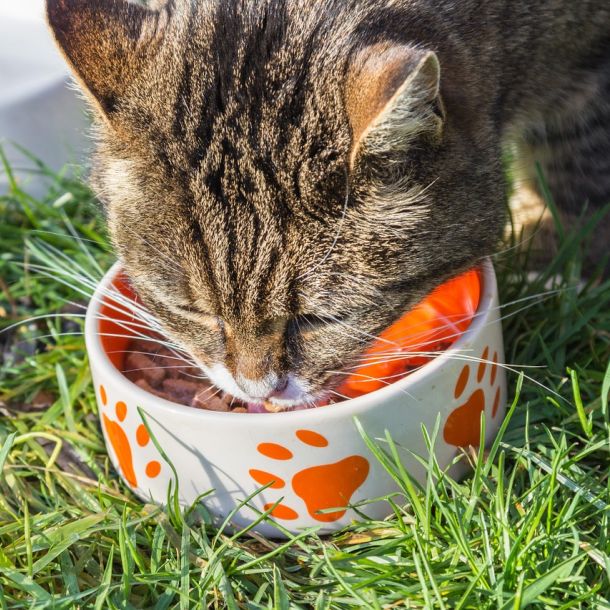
{"x": 283, "y": 179}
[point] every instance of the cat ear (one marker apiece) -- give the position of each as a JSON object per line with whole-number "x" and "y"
{"x": 105, "y": 43}
{"x": 392, "y": 98}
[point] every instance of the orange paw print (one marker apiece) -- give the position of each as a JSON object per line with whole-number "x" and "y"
{"x": 320, "y": 487}
{"x": 463, "y": 426}
{"x": 120, "y": 441}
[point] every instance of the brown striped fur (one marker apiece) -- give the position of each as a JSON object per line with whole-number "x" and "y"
{"x": 283, "y": 178}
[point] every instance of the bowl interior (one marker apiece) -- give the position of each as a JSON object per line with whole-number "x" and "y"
{"x": 118, "y": 324}
{"x": 432, "y": 327}
{"x": 425, "y": 331}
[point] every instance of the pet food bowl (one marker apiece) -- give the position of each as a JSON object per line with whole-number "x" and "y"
{"x": 313, "y": 466}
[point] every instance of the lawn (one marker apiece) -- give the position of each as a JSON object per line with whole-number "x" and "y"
{"x": 528, "y": 528}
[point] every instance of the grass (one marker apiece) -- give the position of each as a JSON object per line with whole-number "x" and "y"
{"x": 528, "y": 528}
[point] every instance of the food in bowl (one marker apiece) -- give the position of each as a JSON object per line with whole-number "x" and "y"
{"x": 424, "y": 332}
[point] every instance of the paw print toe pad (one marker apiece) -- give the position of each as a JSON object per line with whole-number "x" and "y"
{"x": 119, "y": 439}
{"x": 463, "y": 426}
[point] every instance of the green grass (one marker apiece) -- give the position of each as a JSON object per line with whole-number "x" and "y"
{"x": 528, "y": 528}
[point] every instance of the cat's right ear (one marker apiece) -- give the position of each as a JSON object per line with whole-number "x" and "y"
{"x": 392, "y": 98}
{"x": 105, "y": 42}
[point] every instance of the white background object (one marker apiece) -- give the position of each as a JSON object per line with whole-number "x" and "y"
{"x": 39, "y": 108}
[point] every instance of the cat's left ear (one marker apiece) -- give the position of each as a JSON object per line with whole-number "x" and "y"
{"x": 106, "y": 42}
{"x": 393, "y": 98}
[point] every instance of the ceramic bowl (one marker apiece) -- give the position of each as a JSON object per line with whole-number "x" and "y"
{"x": 314, "y": 462}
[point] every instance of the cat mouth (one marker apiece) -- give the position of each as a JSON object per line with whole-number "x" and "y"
{"x": 277, "y": 405}
{"x": 212, "y": 388}
{"x": 294, "y": 396}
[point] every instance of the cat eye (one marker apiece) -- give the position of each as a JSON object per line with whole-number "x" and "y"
{"x": 311, "y": 321}
{"x": 200, "y": 315}
{"x": 211, "y": 321}
{"x": 191, "y": 310}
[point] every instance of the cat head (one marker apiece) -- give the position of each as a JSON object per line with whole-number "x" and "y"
{"x": 281, "y": 180}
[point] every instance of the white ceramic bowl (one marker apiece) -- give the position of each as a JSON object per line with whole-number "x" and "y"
{"x": 38, "y": 108}
{"x": 315, "y": 459}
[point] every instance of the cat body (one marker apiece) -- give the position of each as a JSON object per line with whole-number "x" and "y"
{"x": 283, "y": 179}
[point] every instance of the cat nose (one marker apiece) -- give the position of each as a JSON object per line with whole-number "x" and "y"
{"x": 262, "y": 389}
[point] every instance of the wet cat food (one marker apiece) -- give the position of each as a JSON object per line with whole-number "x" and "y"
{"x": 161, "y": 372}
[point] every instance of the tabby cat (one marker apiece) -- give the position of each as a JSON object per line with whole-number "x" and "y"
{"x": 282, "y": 179}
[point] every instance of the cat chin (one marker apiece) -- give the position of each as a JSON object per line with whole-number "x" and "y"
{"x": 220, "y": 376}
{"x": 305, "y": 400}
{"x": 296, "y": 393}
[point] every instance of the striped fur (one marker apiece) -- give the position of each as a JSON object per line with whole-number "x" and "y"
{"x": 275, "y": 208}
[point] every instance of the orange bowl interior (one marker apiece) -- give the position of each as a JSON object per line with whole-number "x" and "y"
{"x": 118, "y": 325}
{"x": 420, "y": 335}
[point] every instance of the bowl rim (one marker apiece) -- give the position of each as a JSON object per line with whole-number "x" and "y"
{"x": 347, "y": 408}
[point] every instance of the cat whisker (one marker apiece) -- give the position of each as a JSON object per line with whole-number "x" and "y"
{"x": 49, "y": 253}
{"x": 111, "y": 298}
{"x": 86, "y": 251}
{"x": 32, "y": 319}
{"x": 369, "y": 378}
{"x": 145, "y": 322}
{"x": 519, "y": 245}
{"x": 517, "y": 369}
{"x": 131, "y": 327}
{"x": 206, "y": 396}
{"x": 341, "y": 396}
{"x": 91, "y": 284}
{"x": 78, "y": 237}
{"x": 151, "y": 354}
{"x": 157, "y": 368}
{"x": 80, "y": 334}
{"x": 201, "y": 377}
{"x": 539, "y": 298}
{"x": 72, "y": 316}
{"x": 433, "y": 354}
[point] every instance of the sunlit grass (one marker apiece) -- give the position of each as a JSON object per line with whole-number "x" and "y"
{"x": 529, "y": 526}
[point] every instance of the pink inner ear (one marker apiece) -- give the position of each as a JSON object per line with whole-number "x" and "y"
{"x": 118, "y": 325}
{"x": 376, "y": 75}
